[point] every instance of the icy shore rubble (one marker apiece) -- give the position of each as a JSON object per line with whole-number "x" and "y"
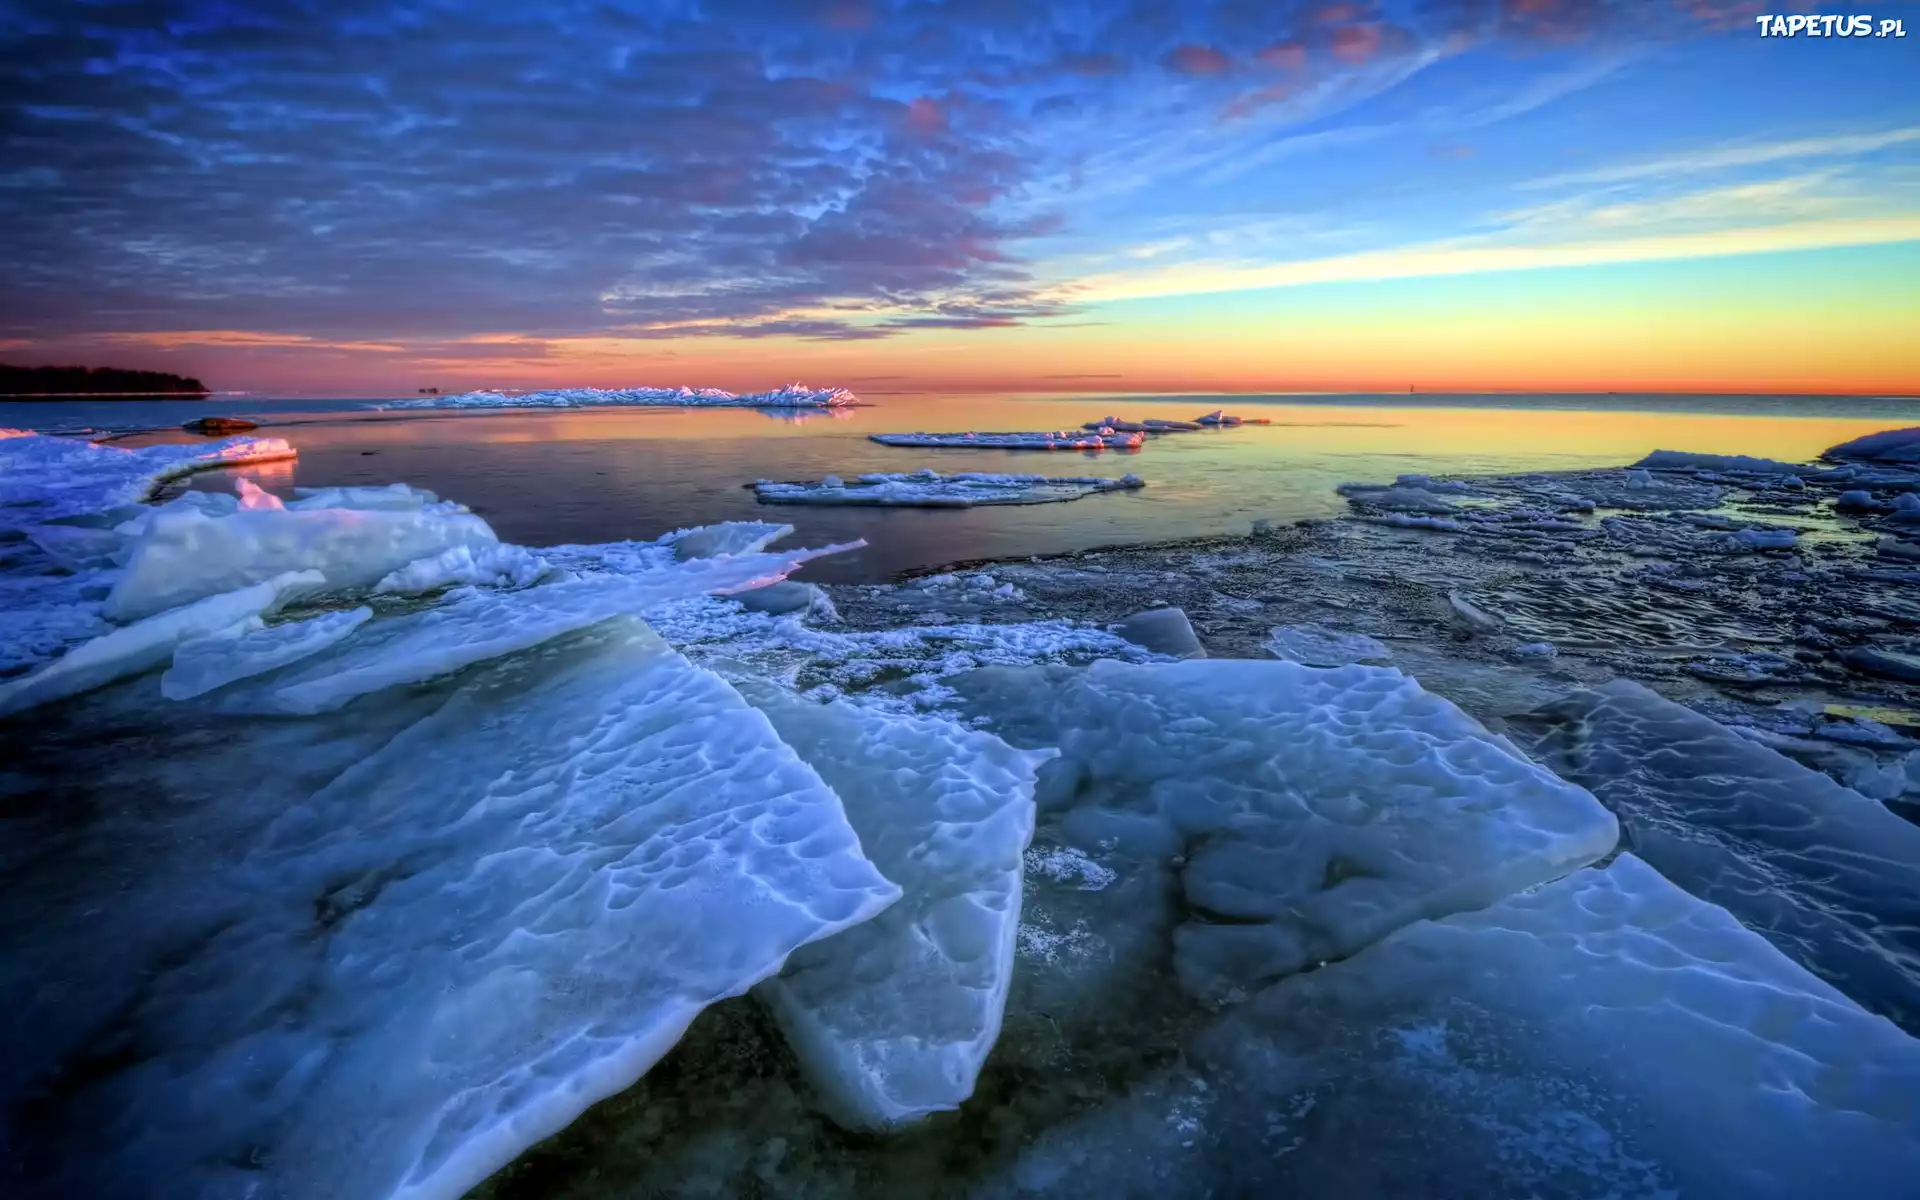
{"x": 412, "y": 974}
{"x": 929, "y": 489}
{"x": 1107, "y": 433}
{"x": 794, "y": 395}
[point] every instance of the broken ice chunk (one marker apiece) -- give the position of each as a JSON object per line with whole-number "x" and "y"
{"x": 496, "y": 565}
{"x": 1318, "y": 646}
{"x": 42, "y": 478}
{"x": 508, "y": 913}
{"x": 146, "y": 644}
{"x": 184, "y": 554}
{"x": 214, "y": 662}
{"x": 930, "y": 489}
{"x": 892, "y": 1020}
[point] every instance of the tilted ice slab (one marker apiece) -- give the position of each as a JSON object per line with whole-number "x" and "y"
{"x": 794, "y": 395}
{"x": 1888, "y": 446}
{"x": 930, "y": 489}
{"x": 184, "y": 553}
{"x": 149, "y": 643}
{"x": 1318, "y": 646}
{"x": 511, "y": 911}
{"x": 1605, "y": 1035}
{"x": 1063, "y": 439}
{"x": 43, "y": 478}
{"x": 893, "y": 1019}
{"x": 471, "y": 625}
{"x": 1318, "y": 810}
{"x": 252, "y": 648}
{"x": 1826, "y": 874}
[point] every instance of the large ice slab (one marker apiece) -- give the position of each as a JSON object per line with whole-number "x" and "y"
{"x": 794, "y": 395}
{"x": 42, "y": 477}
{"x": 1730, "y": 464}
{"x": 1826, "y": 874}
{"x": 149, "y": 643}
{"x": 1063, "y": 439}
{"x": 509, "y": 912}
{"x": 1316, "y": 810}
{"x": 252, "y": 648}
{"x": 472, "y": 625}
{"x": 1888, "y": 446}
{"x": 892, "y": 1020}
{"x": 184, "y": 553}
{"x": 930, "y": 489}
{"x": 1606, "y": 1035}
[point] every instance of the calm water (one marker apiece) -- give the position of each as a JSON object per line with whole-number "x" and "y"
{"x": 588, "y": 476}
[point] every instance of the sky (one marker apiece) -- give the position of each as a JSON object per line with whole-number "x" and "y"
{"x": 354, "y": 198}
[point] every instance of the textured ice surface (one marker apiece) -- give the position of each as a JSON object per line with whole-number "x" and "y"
{"x": 488, "y": 565}
{"x": 1888, "y": 446}
{"x": 509, "y": 912}
{"x": 146, "y": 644}
{"x": 250, "y": 649}
{"x": 930, "y": 489}
{"x": 1318, "y": 646}
{"x": 394, "y": 497}
{"x": 892, "y": 1020}
{"x": 1826, "y": 874}
{"x": 46, "y": 477}
{"x": 1606, "y": 1035}
{"x": 1063, "y": 439}
{"x": 794, "y": 395}
{"x": 183, "y": 553}
{"x": 1317, "y": 810}
{"x": 471, "y": 625}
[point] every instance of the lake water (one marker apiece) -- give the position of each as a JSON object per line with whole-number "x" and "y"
{"x": 550, "y": 476}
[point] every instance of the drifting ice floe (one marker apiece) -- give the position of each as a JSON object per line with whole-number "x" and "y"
{"x": 930, "y": 489}
{"x": 472, "y": 625}
{"x": 1319, "y": 809}
{"x": 1063, "y": 439}
{"x": 508, "y": 913}
{"x": 1150, "y": 425}
{"x": 892, "y": 1020}
{"x": 794, "y": 395}
{"x": 1724, "y": 464}
{"x": 43, "y": 478}
{"x": 147, "y": 644}
{"x": 1826, "y": 874}
{"x": 1605, "y": 1035}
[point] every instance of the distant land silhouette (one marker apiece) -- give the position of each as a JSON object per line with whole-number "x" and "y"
{"x": 99, "y": 382}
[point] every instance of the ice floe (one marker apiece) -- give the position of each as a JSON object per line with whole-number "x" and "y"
{"x": 183, "y": 553}
{"x": 893, "y": 1019}
{"x": 1730, "y": 464}
{"x": 146, "y": 644}
{"x": 1605, "y": 1035}
{"x": 794, "y": 395}
{"x": 1063, "y": 439}
{"x": 1317, "y": 810}
{"x": 1901, "y": 446}
{"x": 928, "y": 488}
{"x": 42, "y": 478}
{"x": 1318, "y": 646}
{"x": 508, "y": 913}
{"x": 1826, "y": 874}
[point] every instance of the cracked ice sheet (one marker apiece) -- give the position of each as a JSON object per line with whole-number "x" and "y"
{"x": 509, "y": 912}
{"x": 892, "y": 1020}
{"x": 470, "y": 625}
{"x": 1826, "y": 874}
{"x": 930, "y": 489}
{"x": 250, "y": 649}
{"x": 1318, "y": 810}
{"x": 44, "y": 478}
{"x": 1605, "y": 1035}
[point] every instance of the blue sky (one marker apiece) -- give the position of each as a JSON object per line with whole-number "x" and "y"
{"x": 514, "y": 187}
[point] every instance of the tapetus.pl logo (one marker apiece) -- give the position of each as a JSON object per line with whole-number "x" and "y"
{"x": 1858, "y": 25}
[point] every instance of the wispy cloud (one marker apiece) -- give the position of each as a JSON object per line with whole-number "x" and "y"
{"x": 1720, "y": 158}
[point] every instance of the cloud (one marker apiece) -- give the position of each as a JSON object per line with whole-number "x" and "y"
{"x": 1197, "y": 60}
{"x": 1748, "y": 154}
